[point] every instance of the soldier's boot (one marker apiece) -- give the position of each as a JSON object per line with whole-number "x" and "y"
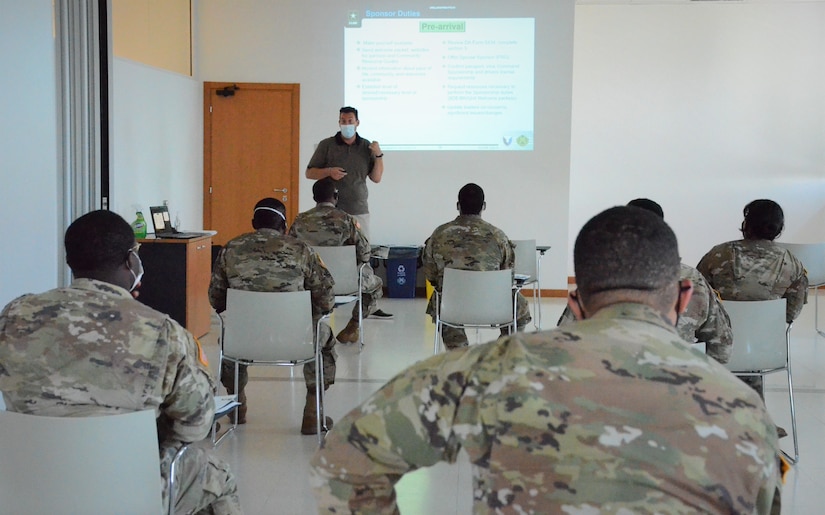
{"x": 350, "y": 333}
{"x": 310, "y": 422}
{"x": 242, "y": 407}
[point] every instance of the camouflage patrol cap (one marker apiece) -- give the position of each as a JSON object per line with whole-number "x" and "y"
{"x": 625, "y": 248}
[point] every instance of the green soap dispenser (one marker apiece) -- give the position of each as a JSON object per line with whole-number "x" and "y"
{"x": 139, "y": 226}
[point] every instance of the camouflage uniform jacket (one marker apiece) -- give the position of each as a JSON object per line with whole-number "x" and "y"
{"x": 704, "y": 319}
{"x": 92, "y": 349}
{"x": 756, "y": 270}
{"x": 327, "y": 226}
{"x": 266, "y": 260}
{"x": 614, "y": 413}
{"x": 466, "y": 243}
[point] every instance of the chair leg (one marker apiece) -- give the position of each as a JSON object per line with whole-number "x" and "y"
{"x": 538, "y": 293}
{"x": 319, "y": 385}
{"x": 435, "y": 338}
{"x": 437, "y": 305}
{"x": 319, "y": 399}
{"x": 795, "y": 458}
{"x": 360, "y": 321}
{"x": 237, "y": 396}
{"x": 361, "y": 307}
{"x": 816, "y": 313}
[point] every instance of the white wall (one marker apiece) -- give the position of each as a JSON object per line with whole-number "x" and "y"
{"x": 702, "y": 107}
{"x": 300, "y": 41}
{"x": 31, "y": 238}
{"x": 158, "y": 143}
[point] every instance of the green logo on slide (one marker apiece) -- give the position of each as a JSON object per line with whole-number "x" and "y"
{"x": 523, "y": 141}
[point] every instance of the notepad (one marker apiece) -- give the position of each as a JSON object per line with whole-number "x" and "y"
{"x": 224, "y": 404}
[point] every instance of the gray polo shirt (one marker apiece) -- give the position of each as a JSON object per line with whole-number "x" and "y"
{"x": 358, "y": 162}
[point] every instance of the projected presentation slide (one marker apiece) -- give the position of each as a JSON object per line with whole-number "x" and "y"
{"x": 422, "y": 82}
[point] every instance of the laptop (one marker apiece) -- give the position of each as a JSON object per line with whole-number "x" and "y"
{"x": 163, "y": 225}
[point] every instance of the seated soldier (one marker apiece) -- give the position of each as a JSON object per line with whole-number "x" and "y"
{"x": 269, "y": 260}
{"x": 612, "y": 414}
{"x": 92, "y": 349}
{"x": 704, "y": 319}
{"x": 756, "y": 268}
{"x": 327, "y": 226}
{"x": 469, "y": 243}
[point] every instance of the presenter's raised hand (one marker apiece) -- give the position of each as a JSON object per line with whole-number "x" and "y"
{"x": 376, "y": 149}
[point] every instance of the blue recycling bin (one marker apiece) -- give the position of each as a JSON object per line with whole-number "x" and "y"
{"x": 402, "y": 263}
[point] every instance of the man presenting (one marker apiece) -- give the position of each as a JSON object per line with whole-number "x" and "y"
{"x": 349, "y": 159}
{"x": 91, "y": 349}
{"x": 612, "y": 414}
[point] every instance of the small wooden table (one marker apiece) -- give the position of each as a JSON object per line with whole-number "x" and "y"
{"x": 176, "y": 279}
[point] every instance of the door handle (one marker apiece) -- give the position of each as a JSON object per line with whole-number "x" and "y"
{"x": 282, "y": 190}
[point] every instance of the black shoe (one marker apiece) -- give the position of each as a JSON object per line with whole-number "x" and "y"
{"x": 381, "y": 315}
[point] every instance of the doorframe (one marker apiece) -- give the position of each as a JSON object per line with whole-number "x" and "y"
{"x": 294, "y": 178}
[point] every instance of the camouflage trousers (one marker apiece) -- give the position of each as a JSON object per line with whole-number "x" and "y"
{"x": 454, "y": 338}
{"x": 370, "y": 293}
{"x": 204, "y": 483}
{"x": 327, "y": 355}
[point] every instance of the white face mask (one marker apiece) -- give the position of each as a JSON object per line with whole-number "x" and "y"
{"x": 136, "y": 275}
{"x": 347, "y": 131}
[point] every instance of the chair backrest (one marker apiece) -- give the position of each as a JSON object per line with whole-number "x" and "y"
{"x": 526, "y": 258}
{"x": 80, "y": 465}
{"x": 812, "y": 256}
{"x": 343, "y": 266}
{"x": 268, "y": 326}
{"x": 477, "y": 298}
{"x": 759, "y": 335}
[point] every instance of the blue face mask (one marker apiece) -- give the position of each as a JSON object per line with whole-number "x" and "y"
{"x": 347, "y": 131}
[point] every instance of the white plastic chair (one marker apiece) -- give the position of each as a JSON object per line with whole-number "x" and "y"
{"x": 761, "y": 346}
{"x": 812, "y": 256}
{"x": 349, "y": 279}
{"x": 81, "y": 465}
{"x": 272, "y": 329}
{"x": 527, "y": 263}
{"x": 474, "y": 299}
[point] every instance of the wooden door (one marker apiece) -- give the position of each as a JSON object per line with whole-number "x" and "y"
{"x": 250, "y": 152}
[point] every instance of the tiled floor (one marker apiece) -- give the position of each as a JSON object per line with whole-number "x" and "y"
{"x": 270, "y": 457}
